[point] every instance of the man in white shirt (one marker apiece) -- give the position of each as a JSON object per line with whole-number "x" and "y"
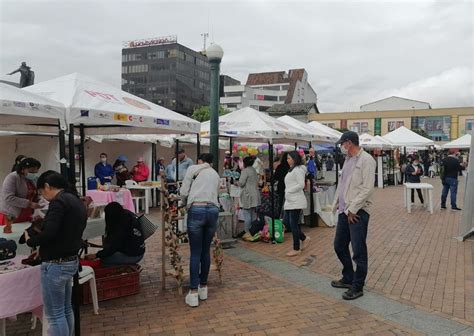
{"x": 201, "y": 189}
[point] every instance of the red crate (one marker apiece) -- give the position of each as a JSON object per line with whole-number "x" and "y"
{"x": 113, "y": 282}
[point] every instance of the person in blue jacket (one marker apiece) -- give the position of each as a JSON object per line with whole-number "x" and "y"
{"x": 103, "y": 170}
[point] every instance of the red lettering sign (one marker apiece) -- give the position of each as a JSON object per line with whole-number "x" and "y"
{"x": 106, "y": 96}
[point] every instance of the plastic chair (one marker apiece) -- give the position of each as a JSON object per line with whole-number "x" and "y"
{"x": 87, "y": 274}
{"x": 136, "y": 199}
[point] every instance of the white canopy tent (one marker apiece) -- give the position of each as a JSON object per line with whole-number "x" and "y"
{"x": 252, "y": 125}
{"x": 463, "y": 142}
{"x": 326, "y": 129}
{"x": 95, "y": 104}
{"x": 371, "y": 142}
{"x": 405, "y": 137}
{"x": 23, "y": 111}
{"x": 318, "y": 135}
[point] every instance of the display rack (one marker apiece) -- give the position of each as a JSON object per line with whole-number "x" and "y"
{"x": 172, "y": 238}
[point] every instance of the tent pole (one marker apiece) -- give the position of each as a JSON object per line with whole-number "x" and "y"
{"x": 311, "y": 200}
{"x": 272, "y": 191}
{"x": 296, "y": 146}
{"x": 177, "y": 162}
{"x": 83, "y": 160}
{"x": 62, "y": 153}
{"x": 198, "y": 148}
{"x": 72, "y": 154}
{"x": 153, "y": 160}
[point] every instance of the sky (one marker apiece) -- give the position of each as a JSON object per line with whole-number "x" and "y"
{"x": 355, "y": 52}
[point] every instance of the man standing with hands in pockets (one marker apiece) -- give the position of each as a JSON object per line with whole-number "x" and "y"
{"x": 352, "y": 202}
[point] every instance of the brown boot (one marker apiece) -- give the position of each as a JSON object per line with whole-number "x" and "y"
{"x": 8, "y": 226}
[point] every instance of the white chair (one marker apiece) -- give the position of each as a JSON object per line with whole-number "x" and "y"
{"x": 136, "y": 199}
{"x": 87, "y": 274}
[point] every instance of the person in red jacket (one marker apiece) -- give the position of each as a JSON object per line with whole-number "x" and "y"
{"x": 140, "y": 171}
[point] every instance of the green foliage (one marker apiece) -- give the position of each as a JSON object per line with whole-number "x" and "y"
{"x": 203, "y": 113}
{"x": 342, "y": 130}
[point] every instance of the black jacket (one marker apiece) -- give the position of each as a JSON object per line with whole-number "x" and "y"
{"x": 451, "y": 167}
{"x": 409, "y": 173}
{"x": 127, "y": 240}
{"x": 63, "y": 225}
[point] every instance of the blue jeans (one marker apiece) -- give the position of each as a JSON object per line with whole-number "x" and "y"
{"x": 118, "y": 258}
{"x": 450, "y": 184}
{"x": 249, "y": 215}
{"x": 56, "y": 286}
{"x": 293, "y": 218}
{"x": 202, "y": 225}
{"x": 356, "y": 234}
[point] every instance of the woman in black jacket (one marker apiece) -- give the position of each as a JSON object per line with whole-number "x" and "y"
{"x": 413, "y": 172}
{"x": 123, "y": 243}
{"x": 279, "y": 178}
{"x": 59, "y": 242}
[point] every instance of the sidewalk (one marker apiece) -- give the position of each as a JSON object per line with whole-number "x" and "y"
{"x": 413, "y": 258}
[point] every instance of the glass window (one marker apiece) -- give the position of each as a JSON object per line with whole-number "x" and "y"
{"x": 469, "y": 124}
{"x": 172, "y": 53}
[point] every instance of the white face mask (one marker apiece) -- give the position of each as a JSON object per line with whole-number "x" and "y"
{"x": 104, "y": 160}
{"x": 344, "y": 150}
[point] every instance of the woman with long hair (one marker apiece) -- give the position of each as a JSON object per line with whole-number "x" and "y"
{"x": 59, "y": 242}
{"x": 124, "y": 243}
{"x": 249, "y": 196}
{"x": 295, "y": 200}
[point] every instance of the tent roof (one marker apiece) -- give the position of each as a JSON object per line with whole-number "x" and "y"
{"x": 462, "y": 142}
{"x": 402, "y": 136}
{"x": 318, "y": 135}
{"x": 369, "y": 141}
{"x": 317, "y": 125}
{"x": 94, "y": 103}
{"x": 24, "y": 111}
{"x": 251, "y": 125}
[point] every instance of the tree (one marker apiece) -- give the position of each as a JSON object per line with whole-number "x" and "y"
{"x": 342, "y": 130}
{"x": 203, "y": 113}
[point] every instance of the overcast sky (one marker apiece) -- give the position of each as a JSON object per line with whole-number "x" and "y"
{"x": 354, "y": 52}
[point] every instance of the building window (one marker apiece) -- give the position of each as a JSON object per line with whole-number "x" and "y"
{"x": 469, "y": 124}
{"x": 360, "y": 127}
{"x": 138, "y": 68}
{"x": 156, "y": 55}
{"x": 131, "y": 57}
{"x": 172, "y": 53}
{"x": 124, "y": 69}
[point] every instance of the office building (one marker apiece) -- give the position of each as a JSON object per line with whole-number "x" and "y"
{"x": 166, "y": 73}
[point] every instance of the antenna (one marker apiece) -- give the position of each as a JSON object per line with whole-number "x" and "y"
{"x": 204, "y": 37}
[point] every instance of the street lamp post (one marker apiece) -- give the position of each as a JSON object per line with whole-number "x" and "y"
{"x": 214, "y": 54}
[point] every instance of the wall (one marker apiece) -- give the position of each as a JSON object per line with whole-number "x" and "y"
{"x": 44, "y": 149}
{"x": 385, "y": 122}
{"x": 370, "y": 125}
{"x": 462, "y": 124}
{"x": 394, "y": 103}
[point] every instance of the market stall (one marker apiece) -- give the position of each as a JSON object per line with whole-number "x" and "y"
{"x": 463, "y": 142}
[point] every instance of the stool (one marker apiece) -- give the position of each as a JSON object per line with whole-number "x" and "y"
{"x": 87, "y": 274}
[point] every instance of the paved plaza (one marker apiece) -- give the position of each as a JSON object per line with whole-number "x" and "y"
{"x": 420, "y": 281}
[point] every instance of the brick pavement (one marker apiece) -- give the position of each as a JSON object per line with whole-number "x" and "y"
{"x": 249, "y": 302}
{"x": 413, "y": 258}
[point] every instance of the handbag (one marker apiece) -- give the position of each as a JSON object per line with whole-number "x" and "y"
{"x": 148, "y": 227}
{"x": 7, "y": 249}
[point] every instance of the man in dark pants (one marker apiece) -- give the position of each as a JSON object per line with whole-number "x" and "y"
{"x": 352, "y": 202}
{"x": 451, "y": 167}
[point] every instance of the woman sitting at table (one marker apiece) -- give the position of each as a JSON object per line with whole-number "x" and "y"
{"x": 140, "y": 171}
{"x": 123, "y": 243}
{"x": 59, "y": 242}
{"x": 121, "y": 171}
{"x": 18, "y": 197}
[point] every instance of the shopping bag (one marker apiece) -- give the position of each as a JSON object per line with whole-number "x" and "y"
{"x": 279, "y": 229}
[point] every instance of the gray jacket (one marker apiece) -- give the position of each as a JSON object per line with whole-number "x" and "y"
{"x": 248, "y": 181}
{"x": 13, "y": 195}
{"x": 358, "y": 194}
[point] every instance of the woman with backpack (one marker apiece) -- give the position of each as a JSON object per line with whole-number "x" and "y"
{"x": 295, "y": 200}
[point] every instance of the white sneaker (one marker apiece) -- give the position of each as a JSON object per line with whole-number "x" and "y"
{"x": 202, "y": 291}
{"x": 192, "y": 299}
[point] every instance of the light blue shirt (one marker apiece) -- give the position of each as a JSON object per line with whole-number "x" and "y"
{"x": 182, "y": 168}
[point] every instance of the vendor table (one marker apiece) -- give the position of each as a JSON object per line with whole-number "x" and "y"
{"x": 20, "y": 292}
{"x": 124, "y": 197}
{"x": 323, "y": 201}
{"x": 426, "y": 189}
{"x": 148, "y": 191}
{"x": 95, "y": 228}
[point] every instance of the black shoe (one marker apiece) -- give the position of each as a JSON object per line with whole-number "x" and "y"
{"x": 340, "y": 284}
{"x": 352, "y": 294}
{"x": 455, "y": 208}
{"x": 443, "y": 207}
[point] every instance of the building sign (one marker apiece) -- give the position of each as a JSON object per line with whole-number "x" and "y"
{"x": 151, "y": 42}
{"x": 393, "y": 125}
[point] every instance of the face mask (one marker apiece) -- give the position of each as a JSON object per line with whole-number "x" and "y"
{"x": 31, "y": 176}
{"x": 344, "y": 150}
{"x": 104, "y": 160}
